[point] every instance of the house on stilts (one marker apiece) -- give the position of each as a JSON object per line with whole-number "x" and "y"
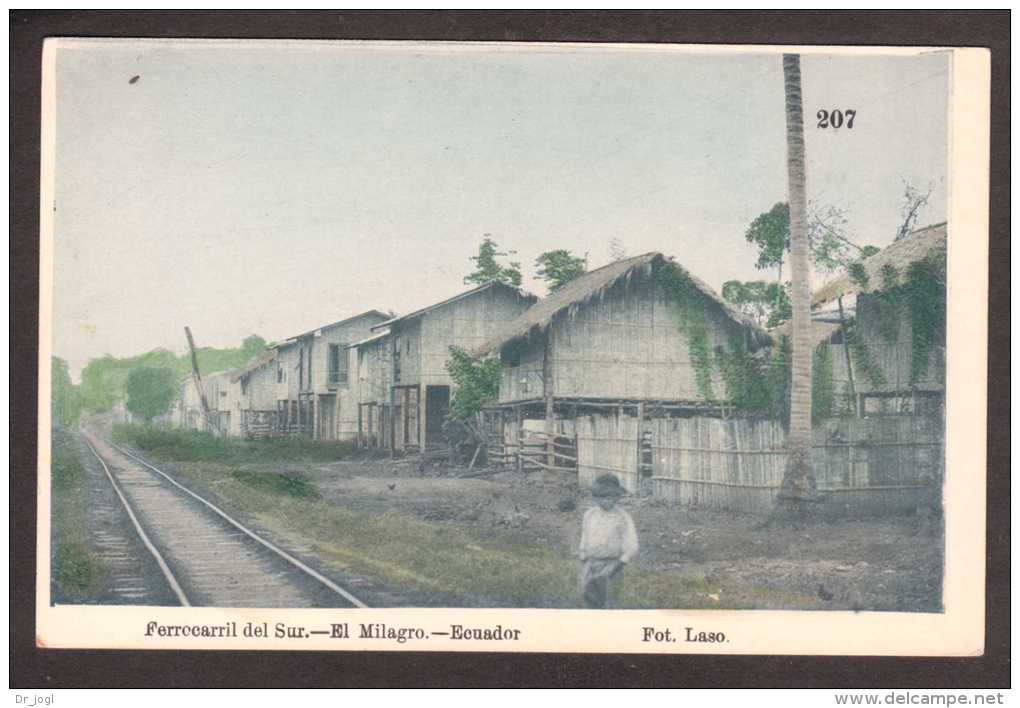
{"x": 637, "y": 339}
{"x": 418, "y": 343}
{"x": 881, "y": 329}
{"x": 311, "y": 369}
{"x": 256, "y": 390}
{"x": 363, "y": 407}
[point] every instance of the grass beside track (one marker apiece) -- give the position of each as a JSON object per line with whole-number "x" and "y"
{"x": 447, "y": 564}
{"x": 76, "y": 572}
{"x": 193, "y": 446}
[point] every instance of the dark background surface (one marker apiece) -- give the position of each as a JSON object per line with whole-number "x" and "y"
{"x": 41, "y": 668}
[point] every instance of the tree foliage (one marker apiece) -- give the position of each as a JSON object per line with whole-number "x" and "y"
{"x": 558, "y": 267}
{"x": 476, "y": 383}
{"x": 104, "y": 380}
{"x": 150, "y": 391}
{"x": 65, "y": 401}
{"x": 768, "y": 304}
{"x": 832, "y": 248}
{"x": 770, "y": 232}
{"x": 487, "y": 268}
{"x": 252, "y": 346}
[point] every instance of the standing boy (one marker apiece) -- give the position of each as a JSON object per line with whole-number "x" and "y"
{"x": 608, "y": 542}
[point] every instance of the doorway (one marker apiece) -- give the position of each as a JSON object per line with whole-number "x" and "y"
{"x": 437, "y": 406}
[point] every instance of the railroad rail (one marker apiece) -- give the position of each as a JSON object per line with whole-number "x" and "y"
{"x": 206, "y": 556}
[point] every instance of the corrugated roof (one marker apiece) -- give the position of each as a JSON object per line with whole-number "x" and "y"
{"x": 449, "y": 300}
{"x": 573, "y": 294}
{"x": 912, "y": 248}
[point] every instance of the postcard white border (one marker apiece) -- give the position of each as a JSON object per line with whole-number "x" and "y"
{"x": 959, "y": 631}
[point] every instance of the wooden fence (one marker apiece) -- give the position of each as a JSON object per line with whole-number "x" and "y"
{"x": 861, "y": 465}
{"x": 608, "y": 444}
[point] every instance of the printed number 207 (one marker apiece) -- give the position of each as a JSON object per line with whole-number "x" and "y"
{"x": 834, "y": 119}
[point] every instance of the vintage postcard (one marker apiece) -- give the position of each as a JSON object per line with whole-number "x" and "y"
{"x": 513, "y": 347}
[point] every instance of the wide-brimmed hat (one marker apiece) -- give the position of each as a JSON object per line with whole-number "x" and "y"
{"x": 607, "y": 485}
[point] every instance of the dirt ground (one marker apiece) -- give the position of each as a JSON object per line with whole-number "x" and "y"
{"x": 892, "y": 564}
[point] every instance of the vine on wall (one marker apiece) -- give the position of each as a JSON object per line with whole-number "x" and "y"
{"x": 823, "y": 390}
{"x": 918, "y": 296}
{"x": 688, "y": 306}
{"x": 760, "y": 384}
{"x": 755, "y": 385}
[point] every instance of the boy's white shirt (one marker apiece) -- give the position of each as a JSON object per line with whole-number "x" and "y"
{"x": 608, "y": 534}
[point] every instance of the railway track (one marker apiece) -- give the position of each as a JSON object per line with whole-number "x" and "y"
{"x": 206, "y": 556}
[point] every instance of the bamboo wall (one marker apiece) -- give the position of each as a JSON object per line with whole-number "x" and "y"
{"x": 524, "y": 382}
{"x": 260, "y": 389}
{"x": 862, "y": 465}
{"x": 608, "y": 444}
{"x": 287, "y": 360}
{"x": 466, "y": 323}
{"x": 893, "y": 359}
{"x": 342, "y": 335}
{"x": 369, "y": 374}
{"x": 625, "y": 345}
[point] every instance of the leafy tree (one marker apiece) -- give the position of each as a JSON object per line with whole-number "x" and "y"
{"x": 487, "y": 268}
{"x": 252, "y": 346}
{"x": 476, "y": 382}
{"x": 768, "y": 304}
{"x": 770, "y": 232}
{"x": 150, "y": 391}
{"x": 104, "y": 379}
{"x": 831, "y": 249}
{"x": 558, "y": 267}
{"x": 65, "y": 401}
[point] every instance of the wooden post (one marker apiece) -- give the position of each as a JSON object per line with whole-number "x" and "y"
{"x": 547, "y": 391}
{"x": 519, "y": 413}
{"x": 199, "y": 388}
{"x": 359, "y": 426}
{"x": 393, "y": 421}
{"x": 422, "y": 416}
{"x": 639, "y": 466}
{"x": 846, "y": 350}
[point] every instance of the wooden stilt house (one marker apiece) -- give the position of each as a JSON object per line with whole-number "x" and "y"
{"x": 880, "y": 329}
{"x": 419, "y": 347}
{"x": 640, "y": 337}
{"x": 311, "y": 368}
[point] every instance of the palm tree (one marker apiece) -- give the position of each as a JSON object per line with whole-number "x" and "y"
{"x": 798, "y": 480}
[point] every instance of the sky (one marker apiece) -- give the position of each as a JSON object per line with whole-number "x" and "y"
{"x": 272, "y": 187}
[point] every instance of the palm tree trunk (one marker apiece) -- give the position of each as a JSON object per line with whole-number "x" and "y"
{"x": 798, "y": 479}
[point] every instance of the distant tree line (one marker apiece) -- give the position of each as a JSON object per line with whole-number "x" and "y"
{"x": 108, "y": 379}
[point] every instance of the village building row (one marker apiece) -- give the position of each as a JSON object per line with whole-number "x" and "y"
{"x": 633, "y": 368}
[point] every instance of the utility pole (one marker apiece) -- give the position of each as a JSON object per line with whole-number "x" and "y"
{"x": 197, "y": 377}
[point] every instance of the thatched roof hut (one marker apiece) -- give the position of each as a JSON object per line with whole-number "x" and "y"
{"x": 914, "y": 247}
{"x": 569, "y": 298}
{"x": 639, "y": 329}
